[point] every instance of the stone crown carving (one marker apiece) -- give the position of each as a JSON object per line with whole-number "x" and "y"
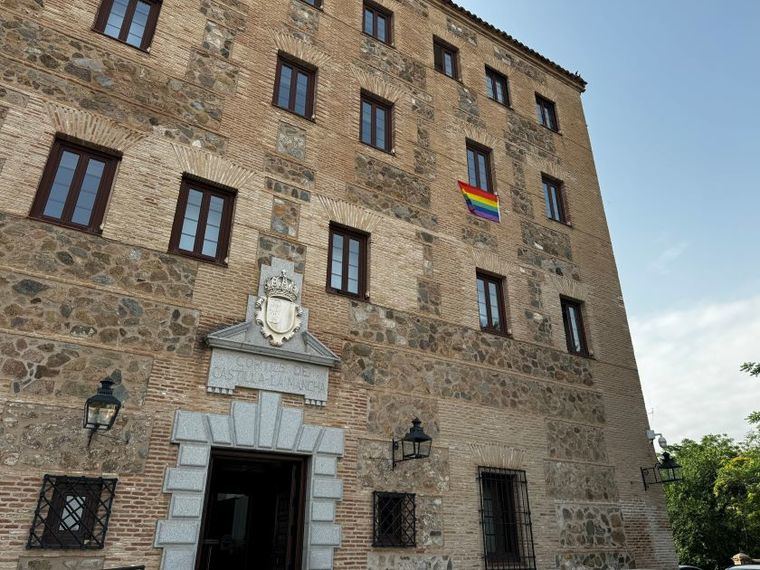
{"x": 281, "y": 286}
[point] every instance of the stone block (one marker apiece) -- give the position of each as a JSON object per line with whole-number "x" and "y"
{"x": 325, "y": 465}
{"x": 287, "y": 190}
{"x": 217, "y": 39}
{"x": 547, "y": 240}
{"x": 285, "y": 217}
{"x": 289, "y": 171}
{"x": 321, "y": 558}
{"x": 308, "y": 439}
{"x": 212, "y": 73}
{"x": 331, "y": 442}
{"x": 186, "y": 506}
{"x": 389, "y": 205}
{"x": 219, "y": 427}
{"x": 324, "y": 534}
{"x": 392, "y": 181}
{"x": 189, "y": 426}
{"x": 323, "y": 511}
{"x": 271, "y": 247}
{"x": 595, "y": 561}
{"x": 291, "y": 140}
{"x": 393, "y": 413}
{"x": 184, "y": 479}
{"x": 580, "y": 482}
{"x": 60, "y": 563}
{"x": 176, "y": 532}
{"x": 585, "y": 526}
{"x": 291, "y": 420}
{"x": 193, "y": 455}
{"x": 327, "y": 488}
{"x": 178, "y": 558}
{"x": 244, "y": 419}
{"x": 430, "y": 476}
{"x": 576, "y": 442}
{"x": 393, "y": 62}
{"x": 269, "y": 406}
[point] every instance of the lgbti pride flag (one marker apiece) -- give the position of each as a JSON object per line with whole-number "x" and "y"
{"x": 480, "y": 202}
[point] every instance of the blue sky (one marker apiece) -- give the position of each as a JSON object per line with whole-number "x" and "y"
{"x": 672, "y": 106}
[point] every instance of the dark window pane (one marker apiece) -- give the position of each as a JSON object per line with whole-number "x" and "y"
{"x": 213, "y": 226}
{"x": 380, "y": 134}
{"x": 448, "y": 64}
{"x": 283, "y": 97}
{"x": 472, "y": 170}
{"x": 347, "y": 262}
{"x": 482, "y": 303}
{"x": 368, "y": 21}
{"x": 382, "y": 32}
{"x": 88, "y": 192}
{"x": 366, "y": 122}
{"x": 139, "y": 23}
{"x": 116, "y": 18}
{"x": 302, "y": 89}
{"x": 59, "y": 191}
{"x": 574, "y": 331}
{"x": 192, "y": 216}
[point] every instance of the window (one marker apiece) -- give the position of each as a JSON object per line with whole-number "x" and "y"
{"x": 378, "y": 22}
{"x": 202, "y": 222}
{"x": 496, "y": 86}
{"x": 445, "y": 58}
{"x": 130, "y": 21}
{"x": 376, "y": 123}
{"x": 547, "y": 113}
{"x": 491, "y": 302}
{"x": 75, "y": 186}
{"x": 294, "y": 87}
{"x": 347, "y": 262}
{"x": 394, "y": 520}
{"x": 505, "y": 518}
{"x": 479, "y": 166}
{"x": 572, "y": 316}
{"x": 315, "y": 3}
{"x": 72, "y": 512}
{"x": 555, "y": 204}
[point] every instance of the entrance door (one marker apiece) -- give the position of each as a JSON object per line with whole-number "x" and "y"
{"x": 253, "y": 518}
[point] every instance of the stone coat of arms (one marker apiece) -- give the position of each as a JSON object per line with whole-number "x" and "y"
{"x": 277, "y": 313}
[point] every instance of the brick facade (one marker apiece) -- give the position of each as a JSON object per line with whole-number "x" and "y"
{"x": 76, "y": 307}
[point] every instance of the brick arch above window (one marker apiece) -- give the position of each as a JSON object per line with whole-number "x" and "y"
{"x": 211, "y": 167}
{"x": 349, "y": 215}
{"x": 294, "y": 47}
{"x": 92, "y": 128}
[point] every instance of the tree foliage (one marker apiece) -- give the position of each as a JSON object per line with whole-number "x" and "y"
{"x": 715, "y": 510}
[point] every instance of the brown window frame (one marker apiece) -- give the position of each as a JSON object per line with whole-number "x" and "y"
{"x": 208, "y": 189}
{"x": 566, "y": 303}
{"x": 440, "y": 48}
{"x": 363, "y": 239}
{"x": 492, "y": 77}
{"x": 376, "y": 103}
{"x": 479, "y": 150}
{"x": 378, "y": 11}
{"x": 297, "y": 66}
{"x": 314, "y": 3}
{"x": 60, "y": 145}
{"x": 150, "y": 26}
{"x": 560, "y": 213}
{"x": 547, "y": 108}
{"x": 492, "y": 278}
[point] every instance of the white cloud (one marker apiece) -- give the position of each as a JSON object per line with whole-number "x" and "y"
{"x": 662, "y": 264}
{"x": 689, "y": 365}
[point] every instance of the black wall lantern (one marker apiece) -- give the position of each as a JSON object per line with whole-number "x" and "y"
{"x": 100, "y": 410}
{"x": 414, "y": 445}
{"x": 667, "y": 470}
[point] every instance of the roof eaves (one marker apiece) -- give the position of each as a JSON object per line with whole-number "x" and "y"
{"x": 574, "y": 77}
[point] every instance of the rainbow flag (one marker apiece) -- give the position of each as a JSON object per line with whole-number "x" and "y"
{"x": 480, "y": 202}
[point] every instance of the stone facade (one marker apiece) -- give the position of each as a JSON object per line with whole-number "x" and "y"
{"x": 77, "y": 307}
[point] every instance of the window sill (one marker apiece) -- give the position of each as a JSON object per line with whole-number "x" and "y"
{"x": 60, "y": 224}
{"x": 364, "y": 298}
{"x": 390, "y": 44}
{"x": 222, "y": 264}
{"x": 312, "y": 119}
{"x": 320, "y": 7}
{"x": 560, "y": 222}
{"x": 494, "y": 332}
{"x": 457, "y": 79}
{"x": 146, "y": 51}
{"x": 391, "y": 152}
{"x": 588, "y": 355}
{"x": 505, "y": 105}
{"x": 557, "y": 132}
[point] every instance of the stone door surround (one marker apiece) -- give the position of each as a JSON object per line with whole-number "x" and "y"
{"x": 263, "y": 426}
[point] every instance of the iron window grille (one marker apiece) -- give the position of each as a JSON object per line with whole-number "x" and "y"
{"x": 506, "y": 521}
{"x": 72, "y": 513}
{"x": 395, "y": 523}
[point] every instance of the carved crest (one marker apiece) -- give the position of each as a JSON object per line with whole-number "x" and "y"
{"x": 277, "y": 312}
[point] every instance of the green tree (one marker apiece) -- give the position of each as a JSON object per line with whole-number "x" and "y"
{"x": 752, "y": 367}
{"x": 704, "y": 530}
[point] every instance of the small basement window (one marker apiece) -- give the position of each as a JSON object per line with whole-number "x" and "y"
{"x": 395, "y": 523}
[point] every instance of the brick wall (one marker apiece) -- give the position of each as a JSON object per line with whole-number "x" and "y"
{"x": 200, "y": 102}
